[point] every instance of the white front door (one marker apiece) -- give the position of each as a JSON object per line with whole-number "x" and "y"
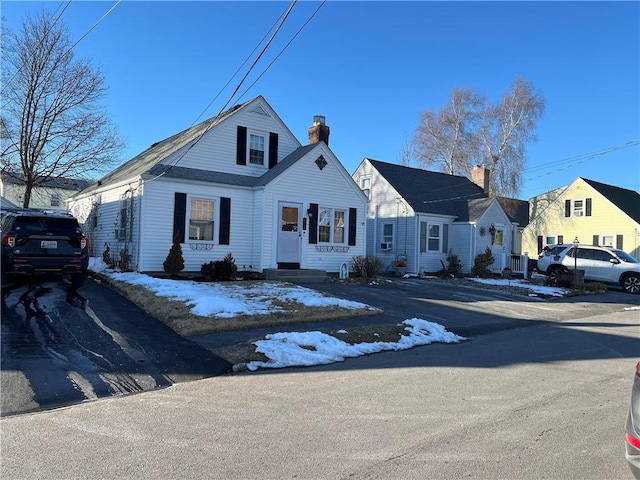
{"x": 289, "y": 233}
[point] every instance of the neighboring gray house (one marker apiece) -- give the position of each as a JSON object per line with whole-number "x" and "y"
{"x": 423, "y": 216}
{"x": 237, "y": 183}
{"x": 49, "y": 193}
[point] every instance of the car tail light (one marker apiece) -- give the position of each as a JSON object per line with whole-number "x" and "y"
{"x": 84, "y": 243}
{"x": 9, "y": 240}
{"x": 633, "y": 441}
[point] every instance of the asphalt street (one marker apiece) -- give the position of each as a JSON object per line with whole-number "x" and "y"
{"x": 547, "y": 401}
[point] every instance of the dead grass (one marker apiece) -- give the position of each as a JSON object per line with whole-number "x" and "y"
{"x": 246, "y": 352}
{"x": 178, "y": 316}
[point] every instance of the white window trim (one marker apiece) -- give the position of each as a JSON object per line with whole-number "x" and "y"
{"x": 265, "y": 135}
{"x": 601, "y": 240}
{"x": 332, "y": 225}
{"x": 439, "y": 237}
{"x": 363, "y": 186}
{"x": 583, "y": 209}
{"x": 216, "y": 216}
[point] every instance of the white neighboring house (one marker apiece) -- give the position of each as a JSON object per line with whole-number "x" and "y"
{"x": 49, "y": 194}
{"x": 422, "y": 216}
{"x": 237, "y": 183}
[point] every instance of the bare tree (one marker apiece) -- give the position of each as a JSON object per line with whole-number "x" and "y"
{"x": 407, "y": 153}
{"x": 448, "y": 139}
{"x": 506, "y": 130}
{"x": 469, "y": 131}
{"x": 52, "y": 124}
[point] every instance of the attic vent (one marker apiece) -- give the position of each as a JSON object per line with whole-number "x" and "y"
{"x": 260, "y": 111}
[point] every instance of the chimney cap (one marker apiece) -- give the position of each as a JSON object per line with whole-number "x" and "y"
{"x": 318, "y": 119}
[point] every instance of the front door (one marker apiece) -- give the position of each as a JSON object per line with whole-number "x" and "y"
{"x": 289, "y": 235}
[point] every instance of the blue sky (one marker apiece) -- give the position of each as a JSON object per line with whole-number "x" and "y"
{"x": 371, "y": 68}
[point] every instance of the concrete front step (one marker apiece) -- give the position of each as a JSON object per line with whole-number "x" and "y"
{"x": 297, "y": 275}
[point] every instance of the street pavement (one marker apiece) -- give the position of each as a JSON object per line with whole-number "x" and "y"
{"x": 546, "y": 401}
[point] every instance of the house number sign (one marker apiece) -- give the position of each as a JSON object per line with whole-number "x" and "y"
{"x": 332, "y": 249}
{"x": 201, "y": 246}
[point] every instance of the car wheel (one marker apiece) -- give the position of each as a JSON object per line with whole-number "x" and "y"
{"x": 631, "y": 283}
{"x": 557, "y": 275}
{"x": 78, "y": 279}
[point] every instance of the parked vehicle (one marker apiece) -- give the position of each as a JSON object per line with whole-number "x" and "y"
{"x": 632, "y": 430}
{"x": 39, "y": 242}
{"x": 546, "y": 258}
{"x": 600, "y": 264}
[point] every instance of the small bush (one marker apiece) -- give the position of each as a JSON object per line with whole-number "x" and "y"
{"x": 366, "y": 267}
{"x": 481, "y": 264}
{"x": 455, "y": 265}
{"x": 225, "y": 269}
{"x": 124, "y": 264}
{"x": 174, "y": 263}
{"x": 208, "y": 270}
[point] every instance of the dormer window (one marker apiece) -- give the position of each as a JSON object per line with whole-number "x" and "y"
{"x": 256, "y": 149}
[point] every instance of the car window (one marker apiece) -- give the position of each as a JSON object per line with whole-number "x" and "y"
{"x": 42, "y": 226}
{"x": 624, "y": 256}
{"x": 585, "y": 253}
{"x": 601, "y": 255}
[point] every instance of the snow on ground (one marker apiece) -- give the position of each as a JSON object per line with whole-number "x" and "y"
{"x": 287, "y": 349}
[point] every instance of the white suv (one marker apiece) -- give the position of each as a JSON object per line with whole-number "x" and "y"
{"x": 600, "y": 264}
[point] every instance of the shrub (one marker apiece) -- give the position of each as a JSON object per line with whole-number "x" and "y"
{"x": 366, "y": 267}
{"x": 174, "y": 263}
{"x": 225, "y": 269}
{"x": 481, "y": 264}
{"x": 455, "y": 265}
{"x": 124, "y": 264}
{"x": 208, "y": 270}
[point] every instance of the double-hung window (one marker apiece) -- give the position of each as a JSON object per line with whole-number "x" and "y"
{"x": 56, "y": 199}
{"x": 577, "y": 208}
{"x": 331, "y": 225}
{"x": 256, "y": 149}
{"x": 201, "y": 219}
{"x": 430, "y": 237}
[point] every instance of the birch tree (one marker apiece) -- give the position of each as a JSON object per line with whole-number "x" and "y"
{"x": 52, "y": 124}
{"x": 470, "y": 131}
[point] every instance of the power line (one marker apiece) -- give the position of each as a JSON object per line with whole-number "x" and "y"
{"x": 209, "y": 127}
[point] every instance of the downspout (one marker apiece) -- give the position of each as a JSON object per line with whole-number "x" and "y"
{"x": 139, "y": 227}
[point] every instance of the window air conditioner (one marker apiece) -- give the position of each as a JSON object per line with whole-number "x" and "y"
{"x": 386, "y": 246}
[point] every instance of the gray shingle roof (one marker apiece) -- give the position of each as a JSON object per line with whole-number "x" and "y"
{"x": 183, "y": 173}
{"x": 626, "y": 200}
{"x": 144, "y": 162}
{"x": 432, "y": 192}
{"x": 516, "y": 210}
{"x": 74, "y": 184}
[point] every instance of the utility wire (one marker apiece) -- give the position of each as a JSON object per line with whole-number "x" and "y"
{"x": 284, "y": 48}
{"x": 209, "y": 127}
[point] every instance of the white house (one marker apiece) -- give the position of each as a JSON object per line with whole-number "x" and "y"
{"x": 238, "y": 183}
{"x": 422, "y": 216}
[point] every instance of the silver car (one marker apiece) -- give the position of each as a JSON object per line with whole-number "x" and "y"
{"x": 600, "y": 264}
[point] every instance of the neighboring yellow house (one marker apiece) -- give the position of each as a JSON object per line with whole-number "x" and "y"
{"x": 595, "y": 213}
{"x": 50, "y": 194}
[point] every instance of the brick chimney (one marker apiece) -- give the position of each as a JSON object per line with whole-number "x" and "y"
{"x": 480, "y": 176}
{"x": 318, "y": 131}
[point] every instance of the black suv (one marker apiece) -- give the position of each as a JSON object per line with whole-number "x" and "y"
{"x": 38, "y": 242}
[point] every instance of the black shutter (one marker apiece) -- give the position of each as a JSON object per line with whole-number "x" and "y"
{"x": 179, "y": 215}
{"x": 353, "y": 225}
{"x": 540, "y": 245}
{"x": 560, "y": 239}
{"x": 567, "y": 208}
{"x": 273, "y": 149}
{"x": 588, "y": 208}
{"x": 619, "y": 242}
{"x": 445, "y": 237}
{"x": 225, "y": 221}
{"x": 241, "y": 146}
{"x": 595, "y": 240}
{"x": 313, "y": 223}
